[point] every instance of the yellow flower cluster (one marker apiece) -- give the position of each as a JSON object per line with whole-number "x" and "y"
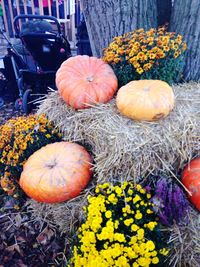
{"x": 143, "y": 49}
{"x": 19, "y": 138}
{"x": 119, "y": 229}
{"x": 7, "y": 184}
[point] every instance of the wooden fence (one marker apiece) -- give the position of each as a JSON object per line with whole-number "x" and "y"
{"x": 66, "y": 11}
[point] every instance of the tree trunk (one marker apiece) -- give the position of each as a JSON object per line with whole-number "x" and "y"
{"x": 186, "y": 21}
{"x": 164, "y": 11}
{"x": 108, "y": 18}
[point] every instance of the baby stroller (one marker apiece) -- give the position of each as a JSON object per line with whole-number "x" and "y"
{"x": 9, "y": 73}
{"x": 37, "y": 58}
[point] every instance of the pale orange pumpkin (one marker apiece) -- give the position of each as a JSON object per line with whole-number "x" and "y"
{"x": 147, "y": 100}
{"x": 84, "y": 80}
{"x": 191, "y": 180}
{"x": 56, "y": 172}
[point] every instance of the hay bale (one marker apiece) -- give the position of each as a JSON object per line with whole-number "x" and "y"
{"x": 185, "y": 241}
{"x": 66, "y": 216}
{"x": 123, "y": 148}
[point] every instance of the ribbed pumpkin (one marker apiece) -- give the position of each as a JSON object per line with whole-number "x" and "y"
{"x": 84, "y": 80}
{"x": 56, "y": 172}
{"x": 191, "y": 180}
{"x": 147, "y": 100}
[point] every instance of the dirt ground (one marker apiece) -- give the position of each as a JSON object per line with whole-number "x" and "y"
{"x": 8, "y": 111}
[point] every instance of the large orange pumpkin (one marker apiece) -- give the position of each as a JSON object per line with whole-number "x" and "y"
{"x": 84, "y": 80}
{"x": 56, "y": 172}
{"x": 147, "y": 100}
{"x": 191, "y": 180}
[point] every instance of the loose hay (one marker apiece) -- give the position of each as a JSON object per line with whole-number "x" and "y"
{"x": 125, "y": 149}
{"x": 67, "y": 216}
{"x": 185, "y": 239}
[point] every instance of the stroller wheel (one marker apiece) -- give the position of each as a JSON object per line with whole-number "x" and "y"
{"x": 1, "y": 102}
{"x": 26, "y": 98}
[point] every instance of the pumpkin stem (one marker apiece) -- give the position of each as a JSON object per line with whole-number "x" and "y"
{"x": 90, "y": 78}
{"x": 146, "y": 89}
{"x": 51, "y": 165}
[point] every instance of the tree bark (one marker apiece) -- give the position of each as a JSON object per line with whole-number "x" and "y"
{"x": 186, "y": 21}
{"x": 164, "y": 11}
{"x": 108, "y": 18}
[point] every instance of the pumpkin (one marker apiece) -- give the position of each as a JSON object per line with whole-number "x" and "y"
{"x": 84, "y": 80}
{"x": 191, "y": 180}
{"x": 147, "y": 100}
{"x": 56, "y": 172}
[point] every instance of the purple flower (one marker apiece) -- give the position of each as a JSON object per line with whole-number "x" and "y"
{"x": 170, "y": 202}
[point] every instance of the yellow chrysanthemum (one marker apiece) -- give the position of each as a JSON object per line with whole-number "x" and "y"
{"x": 119, "y": 247}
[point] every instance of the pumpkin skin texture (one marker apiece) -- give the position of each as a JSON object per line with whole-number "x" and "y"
{"x": 147, "y": 100}
{"x": 56, "y": 172}
{"x": 84, "y": 80}
{"x": 191, "y": 179}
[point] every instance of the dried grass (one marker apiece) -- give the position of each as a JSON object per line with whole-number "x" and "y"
{"x": 66, "y": 216}
{"x": 185, "y": 240}
{"x": 125, "y": 149}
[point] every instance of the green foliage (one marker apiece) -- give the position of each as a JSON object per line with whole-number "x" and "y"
{"x": 167, "y": 70}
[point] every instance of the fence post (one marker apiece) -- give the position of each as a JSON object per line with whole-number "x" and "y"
{"x": 49, "y": 7}
{"x": 41, "y": 11}
{"x": 72, "y": 20}
{"x": 11, "y": 14}
{"x": 32, "y": 7}
{"x": 5, "y": 17}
